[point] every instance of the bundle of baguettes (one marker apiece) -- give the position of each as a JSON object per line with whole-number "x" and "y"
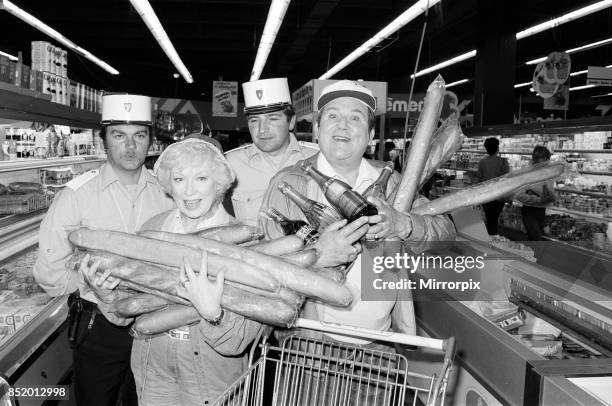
{"x": 264, "y": 281}
{"x": 431, "y": 147}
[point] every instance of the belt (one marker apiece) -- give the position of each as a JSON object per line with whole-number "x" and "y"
{"x": 179, "y": 335}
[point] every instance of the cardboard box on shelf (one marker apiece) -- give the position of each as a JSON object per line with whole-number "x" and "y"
{"x": 36, "y": 80}
{"x": 72, "y": 93}
{"x": 25, "y": 76}
{"x": 64, "y": 59}
{"x": 4, "y": 68}
{"x": 12, "y": 67}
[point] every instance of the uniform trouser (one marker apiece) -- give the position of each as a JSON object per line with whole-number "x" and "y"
{"x": 492, "y": 211}
{"x": 101, "y": 362}
{"x": 534, "y": 219}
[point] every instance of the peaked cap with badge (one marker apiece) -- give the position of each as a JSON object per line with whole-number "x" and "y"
{"x": 123, "y": 108}
{"x": 266, "y": 95}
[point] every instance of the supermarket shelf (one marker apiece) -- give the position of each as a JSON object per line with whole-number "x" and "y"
{"x": 596, "y": 217}
{"x": 21, "y": 164}
{"x": 580, "y": 192}
{"x": 474, "y": 151}
{"x": 483, "y": 152}
{"x": 595, "y": 173}
{"x": 585, "y": 151}
{"x": 458, "y": 169}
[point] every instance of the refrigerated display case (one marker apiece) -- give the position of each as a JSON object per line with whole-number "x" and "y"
{"x": 530, "y": 336}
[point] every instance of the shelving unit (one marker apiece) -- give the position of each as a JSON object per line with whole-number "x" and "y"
{"x": 588, "y": 216}
{"x": 580, "y": 192}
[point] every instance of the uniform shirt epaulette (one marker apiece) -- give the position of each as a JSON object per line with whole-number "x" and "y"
{"x": 82, "y": 179}
{"x": 238, "y": 149}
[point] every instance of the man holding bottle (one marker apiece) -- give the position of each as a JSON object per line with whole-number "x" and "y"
{"x": 121, "y": 195}
{"x": 345, "y": 126}
{"x": 271, "y": 120}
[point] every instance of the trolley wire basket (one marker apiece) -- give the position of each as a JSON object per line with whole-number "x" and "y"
{"x": 318, "y": 372}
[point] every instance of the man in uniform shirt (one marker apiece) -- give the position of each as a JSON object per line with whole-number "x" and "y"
{"x": 271, "y": 119}
{"x": 121, "y": 195}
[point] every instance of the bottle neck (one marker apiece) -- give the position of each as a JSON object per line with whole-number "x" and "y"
{"x": 276, "y": 215}
{"x": 303, "y": 202}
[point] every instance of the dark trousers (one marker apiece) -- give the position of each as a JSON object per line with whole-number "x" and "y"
{"x": 492, "y": 211}
{"x": 102, "y": 374}
{"x": 534, "y": 219}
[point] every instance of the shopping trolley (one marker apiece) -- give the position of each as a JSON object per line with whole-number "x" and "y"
{"x": 307, "y": 372}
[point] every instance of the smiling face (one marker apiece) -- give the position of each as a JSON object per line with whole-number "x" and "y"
{"x": 127, "y": 146}
{"x": 270, "y": 131}
{"x": 194, "y": 190}
{"x": 343, "y": 131}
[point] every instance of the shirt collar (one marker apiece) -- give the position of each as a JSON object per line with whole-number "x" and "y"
{"x": 294, "y": 146}
{"x": 109, "y": 176}
{"x": 366, "y": 176}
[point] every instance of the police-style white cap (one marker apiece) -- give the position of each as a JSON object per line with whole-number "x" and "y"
{"x": 347, "y": 88}
{"x": 266, "y": 95}
{"x": 126, "y": 109}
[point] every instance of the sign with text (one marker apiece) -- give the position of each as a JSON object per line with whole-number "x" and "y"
{"x": 225, "y": 99}
{"x": 598, "y": 75}
{"x": 398, "y": 105}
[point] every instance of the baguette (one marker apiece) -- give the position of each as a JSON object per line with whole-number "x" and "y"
{"x": 305, "y": 258}
{"x": 419, "y": 147}
{"x": 170, "y": 254}
{"x": 138, "y": 304}
{"x": 279, "y": 246}
{"x": 492, "y": 189}
{"x": 447, "y": 140}
{"x": 299, "y": 279}
{"x": 232, "y": 234}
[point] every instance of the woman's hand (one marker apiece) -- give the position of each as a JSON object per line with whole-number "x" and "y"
{"x": 338, "y": 243}
{"x": 388, "y": 223}
{"x": 204, "y": 295}
{"x": 103, "y": 284}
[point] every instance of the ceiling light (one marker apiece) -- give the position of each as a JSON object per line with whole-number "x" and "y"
{"x": 574, "y": 15}
{"x": 276, "y": 14}
{"x": 39, "y": 25}
{"x": 522, "y": 84}
{"x": 144, "y": 9}
{"x": 444, "y": 64}
{"x": 9, "y": 56}
{"x": 581, "y": 87}
{"x": 410, "y": 14}
{"x": 459, "y": 82}
{"x": 603, "y": 95}
{"x": 573, "y": 50}
{"x": 580, "y": 72}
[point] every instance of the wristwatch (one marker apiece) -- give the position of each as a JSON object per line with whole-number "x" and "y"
{"x": 216, "y": 321}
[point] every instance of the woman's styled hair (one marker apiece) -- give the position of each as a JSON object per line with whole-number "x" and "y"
{"x": 190, "y": 153}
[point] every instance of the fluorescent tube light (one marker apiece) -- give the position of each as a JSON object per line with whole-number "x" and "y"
{"x": 144, "y": 9}
{"x": 410, "y": 14}
{"x": 573, "y": 50}
{"x": 580, "y": 72}
{"x": 9, "y": 56}
{"x": 39, "y": 25}
{"x": 444, "y": 64}
{"x": 574, "y": 15}
{"x": 276, "y": 14}
{"x": 603, "y": 95}
{"x": 459, "y": 82}
{"x": 581, "y": 87}
{"x": 522, "y": 84}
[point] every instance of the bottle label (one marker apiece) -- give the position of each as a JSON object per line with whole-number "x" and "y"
{"x": 307, "y": 233}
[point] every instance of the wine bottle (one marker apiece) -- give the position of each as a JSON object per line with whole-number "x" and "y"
{"x": 317, "y": 214}
{"x": 379, "y": 187}
{"x": 340, "y": 195}
{"x": 298, "y": 227}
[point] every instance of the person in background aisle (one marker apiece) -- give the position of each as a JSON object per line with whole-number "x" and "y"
{"x": 536, "y": 198}
{"x": 271, "y": 119}
{"x": 489, "y": 168}
{"x": 345, "y": 125}
{"x": 121, "y": 195}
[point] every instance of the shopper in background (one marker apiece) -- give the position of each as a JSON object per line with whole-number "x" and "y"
{"x": 536, "y": 198}
{"x": 271, "y": 119}
{"x": 121, "y": 195}
{"x": 345, "y": 126}
{"x": 489, "y": 168}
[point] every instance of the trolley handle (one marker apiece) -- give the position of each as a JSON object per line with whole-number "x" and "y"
{"x": 359, "y": 332}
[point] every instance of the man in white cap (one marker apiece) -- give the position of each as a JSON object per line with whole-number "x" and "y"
{"x": 271, "y": 119}
{"x": 121, "y": 195}
{"x": 345, "y": 126}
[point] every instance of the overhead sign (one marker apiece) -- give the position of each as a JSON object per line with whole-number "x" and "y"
{"x": 398, "y": 105}
{"x": 598, "y": 75}
{"x": 225, "y": 99}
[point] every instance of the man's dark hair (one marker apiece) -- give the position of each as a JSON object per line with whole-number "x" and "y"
{"x": 491, "y": 145}
{"x": 540, "y": 153}
{"x": 288, "y": 111}
{"x": 371, "y": 118}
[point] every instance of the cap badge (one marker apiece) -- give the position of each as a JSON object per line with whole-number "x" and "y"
{"x": 127, "y": 107}
{"x": 259, "y": 93}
